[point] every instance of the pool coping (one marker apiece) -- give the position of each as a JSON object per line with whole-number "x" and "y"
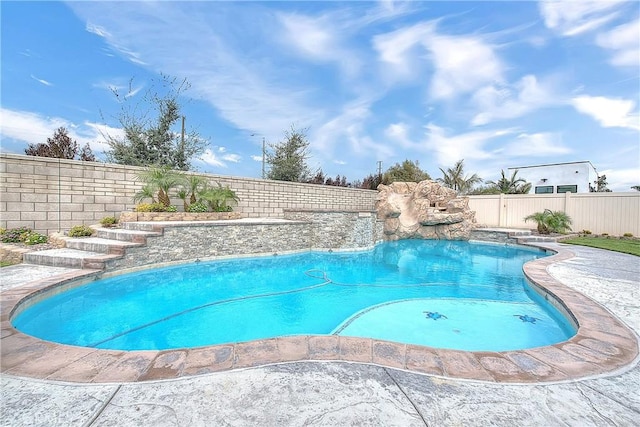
{"x": 603, "y": 344}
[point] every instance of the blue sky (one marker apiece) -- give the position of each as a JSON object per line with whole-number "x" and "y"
{"x": 498, "y": 84}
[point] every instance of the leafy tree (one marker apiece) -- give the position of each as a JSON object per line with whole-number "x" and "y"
{"x": 149, "y": 136}
{"x": 318, "y": 178}
{"x": 288, "y": 161}
{"x": 60, "y": 146}
{"x": 456, "y": 179}
{"x": 407, "y": 171}
{"x": 484, "y": 190}
{"x": 511, "y": 185}
{"x": 370, "y": 182}
{"x": 601, "y": 184}
{"x": 636, "y": 187}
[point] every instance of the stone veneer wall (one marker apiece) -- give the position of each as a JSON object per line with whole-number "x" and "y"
{"x": 195, "y": 241}
{"x": 47, "y": 194}
{"x": 339, "y": 229}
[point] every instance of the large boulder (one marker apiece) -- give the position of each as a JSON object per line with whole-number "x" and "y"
{"x": 424, "y": 210}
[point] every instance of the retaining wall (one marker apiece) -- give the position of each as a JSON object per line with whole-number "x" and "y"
{"x": 47, "y": 194}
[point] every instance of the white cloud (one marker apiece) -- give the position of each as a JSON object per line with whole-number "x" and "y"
{"x": 399, "y": 132}
{"x": 233, "y": 158}
{"x": 468, "y": 146}
{"x": 536, "y": 145}
{"x": 609, "y": 112}
{"x": 460, "y": 63}
{"x": 319, "y": 39}
{"x": 622, "y": 179}
{"x": 210, "y": 158}
{"x": 32, "y": 128}
{"x": 624, "y": 42}
{"x": 396, "y": 50}
{"x": 44, "y": 82}
{"x": 97, "y": 30}
{"x": 510, "y": 101}
{"x": 572, "y": 18}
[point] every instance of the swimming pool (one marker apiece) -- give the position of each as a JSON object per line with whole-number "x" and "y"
{"x": 356, "y": 294}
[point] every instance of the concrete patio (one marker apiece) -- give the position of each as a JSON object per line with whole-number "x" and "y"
{"x": 343, "y": 393}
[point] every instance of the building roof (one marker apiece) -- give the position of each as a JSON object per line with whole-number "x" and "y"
{"x": 555, "y": 164}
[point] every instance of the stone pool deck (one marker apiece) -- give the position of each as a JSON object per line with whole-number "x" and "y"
{"x": 592, "y": 380}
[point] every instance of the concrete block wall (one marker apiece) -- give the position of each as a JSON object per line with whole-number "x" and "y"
{"x": 48, "y": 195}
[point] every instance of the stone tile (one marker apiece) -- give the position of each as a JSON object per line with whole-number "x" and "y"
{"x": 130, "y": 367}
{"x": 323, "y": 347}
{"x": 462, "y": 364}
{"x": 502, "y": 369}
{"x": 167, "y": 364}
{"x": 293, "y": 348}
{"x": 256, "y": 353}
{"x": 355, "y": 349}
{"x": 389, "y": 354}
{"x": 86, "y": 368}
{"x": 423, "y": 359}
{"x": 535, "y": 367}
{"x": 19, "y": 348}
{"x": 208, "y": 359}
{"x": 565, "y": 362}
{"x": 52, "y": 359}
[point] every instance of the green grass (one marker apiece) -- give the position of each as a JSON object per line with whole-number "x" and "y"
{"x": 6, "y": 263}
{"x": 626, "y": 246}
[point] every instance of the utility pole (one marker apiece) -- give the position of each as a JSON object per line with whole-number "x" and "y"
{"x": 263, "y": 156}
{"x": 380, "y": 171}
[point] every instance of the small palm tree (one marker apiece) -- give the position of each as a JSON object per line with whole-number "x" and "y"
{"x": 161, "y": 180}
{"x": 219, "y": 198}
{"x": 146, "y": 192}
{"x": 550, "y": 221}
{"x": 455, "y": 178}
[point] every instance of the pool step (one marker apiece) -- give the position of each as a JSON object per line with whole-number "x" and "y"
{"x": 69, "y": 258}
{"x": 93, "y": 252}
{"x": 101, "y": 245}
{"x": 126, "y": 235}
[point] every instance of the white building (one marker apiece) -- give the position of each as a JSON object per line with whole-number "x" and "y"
{"x": 574, "y": 177}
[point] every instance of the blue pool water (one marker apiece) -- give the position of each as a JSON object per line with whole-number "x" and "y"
{"x": 447, "y": 294}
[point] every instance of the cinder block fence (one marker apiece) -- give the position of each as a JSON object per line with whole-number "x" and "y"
{"x": 48, "y": 195}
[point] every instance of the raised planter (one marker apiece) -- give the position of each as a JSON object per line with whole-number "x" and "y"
{"x": 177, "y": 216}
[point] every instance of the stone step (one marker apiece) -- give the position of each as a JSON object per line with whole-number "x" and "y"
{"x": 101, "y": 245}
{"x": 524, "y": 239}
{"x": 126, "y": 235}
{"x": 142, "y": 226}
{"x": 69, "y": 258}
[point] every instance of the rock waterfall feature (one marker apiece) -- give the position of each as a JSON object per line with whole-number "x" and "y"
{"x": 423, "y": 210}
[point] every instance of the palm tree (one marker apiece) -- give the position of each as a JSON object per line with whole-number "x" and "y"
{"x": 511, "y": 185}
{"x": 219, "y": 198}
{"x": 454, "y": 178}
{"x": 161, "y": 180}
{"x": 551, "y": 221}
{"x": 190, "y": 188}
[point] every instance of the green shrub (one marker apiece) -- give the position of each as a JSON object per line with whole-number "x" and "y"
{"x": 586, "y": 232}
{"x": 34, "y": 238}
{"x": 109, "y": 221}
{"x": 15, "y": 235}
{"x": 171, "y": 208}
{"x": 80, "y": 231}
{"x": 627, "y": 235}
{"x": 551, "y": 221}
{"x": 198, "y": 207}
{"x": 150, "y": 207}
